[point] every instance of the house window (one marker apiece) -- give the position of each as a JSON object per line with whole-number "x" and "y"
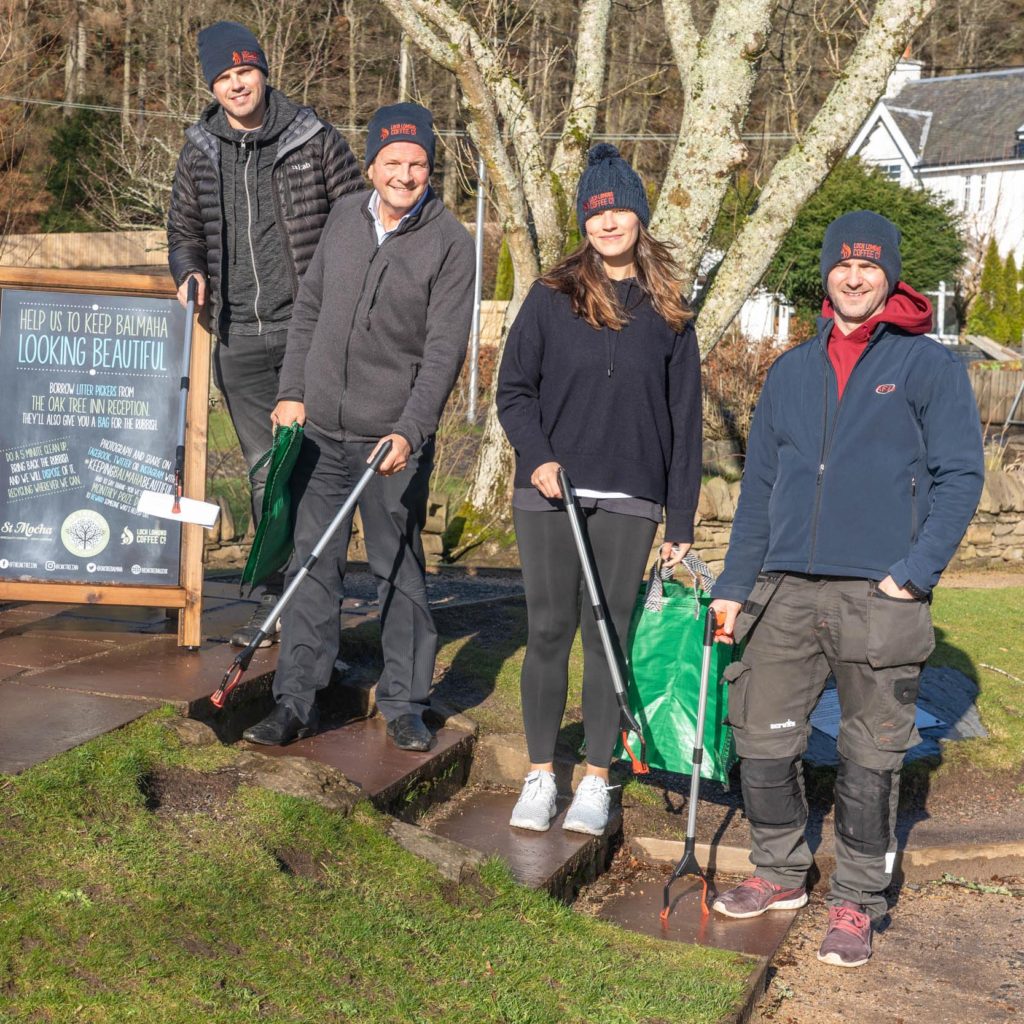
{"x": 982, "y": 183}
{"x": 968, "y": 193}
{"x": 892, "y": 171}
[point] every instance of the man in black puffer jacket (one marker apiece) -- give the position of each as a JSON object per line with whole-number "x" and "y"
{"x": 254, "y": 185}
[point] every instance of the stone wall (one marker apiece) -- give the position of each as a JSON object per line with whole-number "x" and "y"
{"x": 995, "y": 538}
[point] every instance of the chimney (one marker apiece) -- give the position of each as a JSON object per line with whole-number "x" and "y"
{"x": 907, "y": 70}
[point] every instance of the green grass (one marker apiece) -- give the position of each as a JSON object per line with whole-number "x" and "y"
{"x": 976, "y": 627}
{"x": 111, "y": 913}
{"x": 220, "y": 432}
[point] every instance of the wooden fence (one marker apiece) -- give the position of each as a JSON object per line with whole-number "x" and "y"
{"x": 994, "y": 390}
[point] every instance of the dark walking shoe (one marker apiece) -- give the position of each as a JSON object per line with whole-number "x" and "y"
{"x": 409, "y": 732}
{"x": 244, "y": 635}
{"x": 757, "y": 895}
{"x": 848, "y": 939}
{"x": 281, "y": 726}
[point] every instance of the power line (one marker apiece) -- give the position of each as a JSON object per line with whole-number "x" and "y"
{"x": 356, "y": 129}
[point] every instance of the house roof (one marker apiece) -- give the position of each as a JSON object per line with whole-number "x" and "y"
{"x": 961, "y": 119}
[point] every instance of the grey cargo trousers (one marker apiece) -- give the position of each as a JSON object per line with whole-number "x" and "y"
{"x": 798, "y": 629}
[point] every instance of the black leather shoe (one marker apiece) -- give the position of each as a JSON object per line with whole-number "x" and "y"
{"x": 409, "y": 732}
{"x": 281, "y": 726}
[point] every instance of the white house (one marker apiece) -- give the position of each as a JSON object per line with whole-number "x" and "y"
{"x": 961, "y": 136}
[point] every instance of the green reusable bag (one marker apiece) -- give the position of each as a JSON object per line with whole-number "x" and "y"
{"x": 272, "y": 545}
{"x": 666, "y": 638}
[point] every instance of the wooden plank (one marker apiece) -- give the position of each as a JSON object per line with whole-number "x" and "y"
{"x": 993, "y": 349}
{"x": 196, "y": 425}
{"x": 101, "y": 282}
{"x": 108, "y": 593}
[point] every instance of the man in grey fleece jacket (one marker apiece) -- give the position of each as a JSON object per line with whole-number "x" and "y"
{"x": 377, "y": 338}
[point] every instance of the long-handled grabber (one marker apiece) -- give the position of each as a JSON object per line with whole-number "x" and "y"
{"x": 176, "y": 506}
{"x": 233, "y": 676}
{"x": 612, "y": 651}
{"x": 688, "y": 864}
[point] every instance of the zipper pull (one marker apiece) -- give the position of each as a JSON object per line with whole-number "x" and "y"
{"x": 821, "y": 472}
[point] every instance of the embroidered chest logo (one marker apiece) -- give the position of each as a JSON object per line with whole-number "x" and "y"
{"x": 601, "y": 201}
{"x": 885, "y": 389}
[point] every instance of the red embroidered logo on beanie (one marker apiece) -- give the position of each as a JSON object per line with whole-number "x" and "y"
{"x": 844, "y": 251}
{"x": 601, "y": 201}
{"x": 866, "y": 251}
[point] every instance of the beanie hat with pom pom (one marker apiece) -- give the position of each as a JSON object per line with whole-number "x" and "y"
{"x": 609, "y": 183}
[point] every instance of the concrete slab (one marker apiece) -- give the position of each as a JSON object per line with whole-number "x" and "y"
{"x": 152, "y": 668}
{"x": 638, "y": 909}
{"x": 34, "y": 727}
{"x": 401, "y": 782}
{"x": 556, "y": 861}
{"x": 35, "y": 650}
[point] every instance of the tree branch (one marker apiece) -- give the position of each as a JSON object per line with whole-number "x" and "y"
{"x": 802, "y": 170}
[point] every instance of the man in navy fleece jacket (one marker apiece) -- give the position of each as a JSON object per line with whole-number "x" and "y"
{"x": 864, "y": 467}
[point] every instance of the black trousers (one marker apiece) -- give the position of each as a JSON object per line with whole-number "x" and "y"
{"x": 552, "y": 578}
{"x": 393, "y": 511}
{"x": 246, "y": 368}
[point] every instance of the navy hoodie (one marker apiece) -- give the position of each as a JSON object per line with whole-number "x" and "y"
{"x": 884, "y": 482}
{"x": 620, "y": 410}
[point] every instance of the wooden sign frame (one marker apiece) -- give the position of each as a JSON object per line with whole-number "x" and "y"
{"x": 187, "y": 596}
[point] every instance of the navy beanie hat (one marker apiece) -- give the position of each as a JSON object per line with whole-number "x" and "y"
{"x": 609, "y": 183}
{"x": 862, "y": 235}
{"x": 400, "y": 122}
{"x": 227, "y": 44}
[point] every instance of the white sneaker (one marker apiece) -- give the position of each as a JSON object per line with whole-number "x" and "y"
{"x": 536, "y": 804}
{"x": 590, "y": 806}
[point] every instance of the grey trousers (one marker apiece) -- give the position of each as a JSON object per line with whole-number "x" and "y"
{"x": 246, "y": 368}
{"x": 798, "y": 629}
{"x": 393, "y": 511}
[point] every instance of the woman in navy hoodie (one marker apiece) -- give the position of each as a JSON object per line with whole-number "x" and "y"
{"x": 601, "y": 376}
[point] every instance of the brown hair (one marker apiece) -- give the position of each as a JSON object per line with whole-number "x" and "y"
{"x": 581, "y": 276}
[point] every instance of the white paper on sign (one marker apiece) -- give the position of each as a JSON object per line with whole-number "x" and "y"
{"x": 825, "y": 717}
{"x": 203, "y": 513}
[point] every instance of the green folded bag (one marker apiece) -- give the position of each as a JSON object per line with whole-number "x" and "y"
{"x": 272, "y": 546}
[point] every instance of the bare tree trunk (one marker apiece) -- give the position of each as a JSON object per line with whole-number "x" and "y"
{"x": 799, "y": 174}
{"x": 126, "y": 70}
{"x": 451, "y": 149}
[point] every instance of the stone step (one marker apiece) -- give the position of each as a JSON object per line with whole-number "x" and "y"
{"x": 557, "y": 861}
{"x": 399, "y": 782}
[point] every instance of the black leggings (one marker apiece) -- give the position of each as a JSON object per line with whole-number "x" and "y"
{"x": 552, "y": 578}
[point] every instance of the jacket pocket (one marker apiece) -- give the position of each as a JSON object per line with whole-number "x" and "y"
{"x": 899, "y": 630}
{"x": 737, "y": 675}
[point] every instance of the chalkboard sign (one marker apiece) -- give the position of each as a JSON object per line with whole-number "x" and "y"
{"x": 88, "y": 422}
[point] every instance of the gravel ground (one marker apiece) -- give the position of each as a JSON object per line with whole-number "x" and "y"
{"x": 950, "y": 955}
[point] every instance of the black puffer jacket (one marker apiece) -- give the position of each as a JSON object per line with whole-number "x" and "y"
{"x": 313, "y": 167}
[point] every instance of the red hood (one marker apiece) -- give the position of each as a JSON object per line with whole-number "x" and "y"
{"x": 906, "y": 309}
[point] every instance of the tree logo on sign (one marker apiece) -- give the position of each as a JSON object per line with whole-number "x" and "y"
{"x": 85, "y": 533}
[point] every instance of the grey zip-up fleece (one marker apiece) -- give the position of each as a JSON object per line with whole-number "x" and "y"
{"x": 379, "y": 333}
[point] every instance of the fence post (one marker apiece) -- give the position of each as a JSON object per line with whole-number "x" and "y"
{"x": 941, "y": 324}
{"x": 474, "y": 334}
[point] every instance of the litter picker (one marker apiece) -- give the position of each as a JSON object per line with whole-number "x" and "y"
{"x": 234, "y": 674}
{"x": 688, "y": 864}
{"x": 612, "y": 651}
{"x": 176, "y": 506}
